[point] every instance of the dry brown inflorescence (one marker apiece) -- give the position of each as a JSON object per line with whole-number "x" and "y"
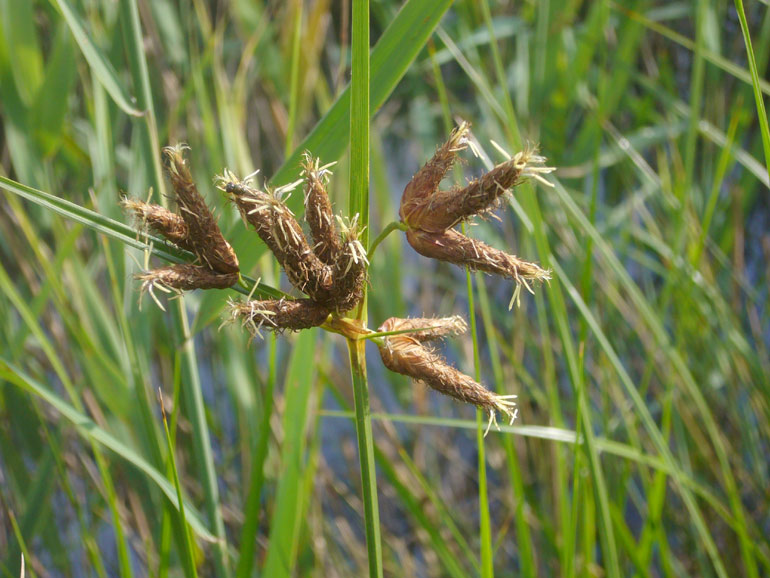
{"x": 331, "y": 271}
{"x": 194, "y": 229}
{"x": 330, "y": 266}
{"x": 430, "y": 213}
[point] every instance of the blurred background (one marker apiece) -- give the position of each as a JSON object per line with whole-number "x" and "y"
{"x": 642, "y": 369}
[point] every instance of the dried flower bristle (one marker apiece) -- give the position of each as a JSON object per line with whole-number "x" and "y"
{"x": 454, "y": 247}
{"x": 425, "y": 182}
{"x": 184, "y": 277}
{"x": 277, "y": 315}
{"x": 406, "y": 355}
{"x": 159, "y": 220}
{"x": 318, "y": 210}
{"x": 204, "y": 236}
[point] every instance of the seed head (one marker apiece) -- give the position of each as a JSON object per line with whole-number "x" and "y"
{"x": 318, "y": 210}
{"x": 277, "y": 315}
{"x": 425, "y": 182}
{"x": 406, "y": 355}
{"x": 454, "y": 247}
{"x": 427, "y": 329}
{"x": 184, "y": 277}
{"x": 445, "y": 209}
{"x": 276, "y": 225}
{"x": 204, "y": 235}
{"x": 159, "y": 220}
{"x": 350, "y": 267}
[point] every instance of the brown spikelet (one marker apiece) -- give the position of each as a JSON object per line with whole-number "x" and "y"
{"x": 184, "y": 277}
{"x": 204, "y": 235}
{"x": 350, "y": 268}
{"x": 445, "y": 209}
{"x": 407, "y": 356}
{"x": 427, "y": 329}
{"x": 318, "y": 210}
{"x": 426, "y": 181}
{"x": 454, "y": 247}
{"x": 159, "y": 220}
{"x": 278, "y": 315}
{"x": 278, "y": 228}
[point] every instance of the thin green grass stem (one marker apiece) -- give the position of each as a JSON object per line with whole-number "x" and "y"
{"x": 358, "y": 204}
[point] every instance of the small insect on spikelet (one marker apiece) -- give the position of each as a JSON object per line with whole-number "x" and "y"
{"x": 406, "y": 354}
{"x": 430, "y": 213}
{"x": 277, "y": 314}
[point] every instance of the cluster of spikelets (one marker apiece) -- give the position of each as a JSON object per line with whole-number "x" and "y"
{"x": 331, "y": 268}
{"x": 331, "y": 271}
{"x": 194, "y": 228}
{"x": 430, "y": 214}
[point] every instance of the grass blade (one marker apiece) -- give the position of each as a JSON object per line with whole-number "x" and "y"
{"x": 287, "y": 518}
{"x": 101, "y": 67}
{"x": 89, "y": 430}
{"x": 188, "y": 557}
{"x": 398, "y": 46}
{"x": 755, "y": 83}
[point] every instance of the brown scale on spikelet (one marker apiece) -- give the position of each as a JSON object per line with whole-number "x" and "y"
{"x": 184, "y": 277}
{"x": 405, "y": 354}
{"x": 159, "y": 220}
{"x": 278, "y": 228}
{"x": 318, "y": 210}
{"x": 277, "y": 315}
{"x": 204, "y": 235}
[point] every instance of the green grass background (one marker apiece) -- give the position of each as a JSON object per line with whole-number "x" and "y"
{"x": 642, "y": 369}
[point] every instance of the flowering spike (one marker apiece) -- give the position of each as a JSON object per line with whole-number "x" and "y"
{"x": 454, "y": 247}
{"x": 278, "y": 228}
{"x": 427, "y": 329}
{"x": 204, "y": 236}
{"x": 184, "y": 277}
{"x": 406, "y": 355}
{"x": 425, "y": 182}
{"x": 159, "y": 220}
{"x": 277, "y": 314}
{"x": 318, "y": 210}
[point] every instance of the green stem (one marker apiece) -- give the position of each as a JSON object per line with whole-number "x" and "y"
{"x": 485, "y": 525}
{"x": 201, "y": 438}
{"x": 359, "y": 205}
{"x": 366, "y": 456}
{"x": 393, "y": 226}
